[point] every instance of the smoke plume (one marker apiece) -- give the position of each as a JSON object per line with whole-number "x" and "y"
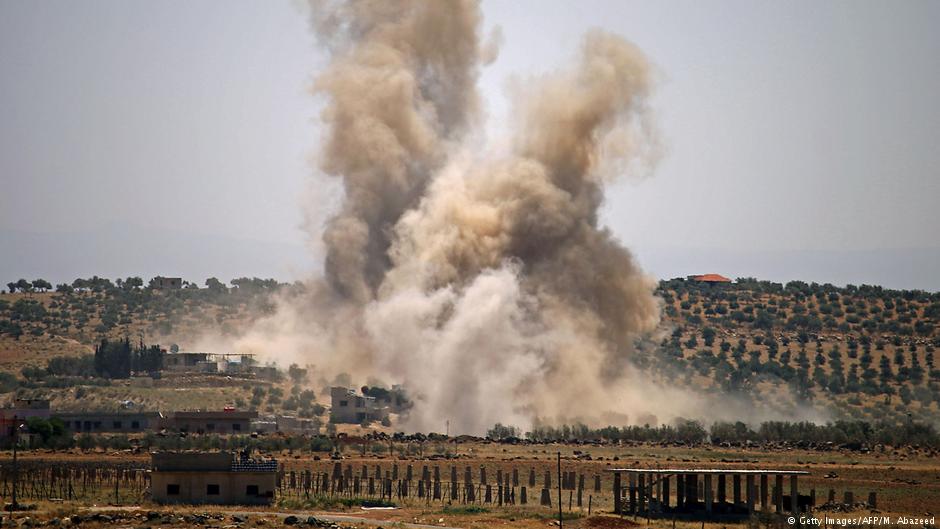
{"x": 480, "y": 279}
{"x": 400, "y": 88}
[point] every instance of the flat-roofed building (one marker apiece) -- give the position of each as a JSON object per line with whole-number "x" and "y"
{"x": 110, "y": 422}
{"x": 348, "y": 407}
{"x": 212, "y": 477}
{"x": 168, "y": 283}
{"x": 297, "y": 425}
{"x": 220, "y": 422}
{"x": 185, "y": 361}
{"x": 17, "y": 415}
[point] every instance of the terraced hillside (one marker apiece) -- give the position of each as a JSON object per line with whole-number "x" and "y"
{"x": 37, "y": 324}
{"x": 861, "y": 352}
{"x": 865, "y": 352}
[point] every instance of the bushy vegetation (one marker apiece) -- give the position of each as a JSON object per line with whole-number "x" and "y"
{"x": 47, "y": 433}
{"x": 864, "y": 351}
{"x": 120, "y": 359}
{"x": 690, "y": 432}
{"x": 89, "y": 309}
{"x": 682, "y": 431}
{"x": 501, "y": 432}
{"x": 59, "y": 372}
{"x": 839, "y": 432}
{"x": 391, "y": 397}
{"x": 51, "y": 433}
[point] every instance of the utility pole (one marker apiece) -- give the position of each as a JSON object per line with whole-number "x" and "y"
{"x": 447, "y": 427}
{"x": 559, "y": 491}
{"x": 16, "y": 441}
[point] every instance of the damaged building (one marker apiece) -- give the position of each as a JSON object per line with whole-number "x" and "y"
{"x": 349, "y": 407}
{"x": 230, "y": 364}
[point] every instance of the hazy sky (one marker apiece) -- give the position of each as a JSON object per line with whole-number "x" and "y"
{"x": 801, "y": 138}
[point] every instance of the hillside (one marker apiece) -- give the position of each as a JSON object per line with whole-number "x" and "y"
{"x": 860, "y": 352}
{"x": 39, "y": 325}
{"x": 36, "y": 324}
{"x": 863, "y": 352}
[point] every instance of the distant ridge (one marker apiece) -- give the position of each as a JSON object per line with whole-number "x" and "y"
{"x": 896, "y": 268}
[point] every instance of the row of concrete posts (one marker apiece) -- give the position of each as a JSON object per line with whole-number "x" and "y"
{"x": 706, "y": 492}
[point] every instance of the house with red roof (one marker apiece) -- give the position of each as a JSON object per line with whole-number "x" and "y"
{"x": 710, "y": 278}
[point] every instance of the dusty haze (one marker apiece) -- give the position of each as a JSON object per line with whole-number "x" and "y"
{"x": 476, "y": 273}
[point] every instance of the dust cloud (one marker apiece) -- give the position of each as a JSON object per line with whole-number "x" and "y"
{"x": 477, "y": 276}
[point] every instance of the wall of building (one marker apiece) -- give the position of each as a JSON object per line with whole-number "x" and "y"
{"x": 192, "y": 461}
{"x": 290, "y": 424}
{"x": 167, "y": 282}
{"x": 233, "y": 488}
{"x": 343, "y": 406}
{"x": 23, "y": 409}
{"x": 184, "y": 361}
{"x": 347, "y": 407}
{"x": 211, "y": 422}
{"x": 111, "y": 423}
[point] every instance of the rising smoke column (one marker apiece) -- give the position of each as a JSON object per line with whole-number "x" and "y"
{"x": 483, "y": 283}
{"x": 507, "y": 301}
{"x": 399, "y": 88}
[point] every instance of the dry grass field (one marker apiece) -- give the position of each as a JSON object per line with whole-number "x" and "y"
{"x": 907, "y": 481}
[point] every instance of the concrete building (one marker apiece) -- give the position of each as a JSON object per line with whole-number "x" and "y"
{"x": 227, "y": 421}
{"x": 20, "y": 412}
{"x": 110, "y": 422}
{"x": 265, "y": 372}
{"x": 264, "y": 425}
{"x": 348, "y": 407}
{"x": 297, "y": 425}
{"x": 186, "y": 361}
{"x": 167, "y": 283}
{"x": 235, "y": 364}
{"x": 212, "y": 477}
{"x": 285, "y": 424}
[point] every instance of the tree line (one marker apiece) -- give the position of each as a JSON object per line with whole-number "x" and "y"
{"x": 851, "y": 433}
{"x": 119, "y": 359}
